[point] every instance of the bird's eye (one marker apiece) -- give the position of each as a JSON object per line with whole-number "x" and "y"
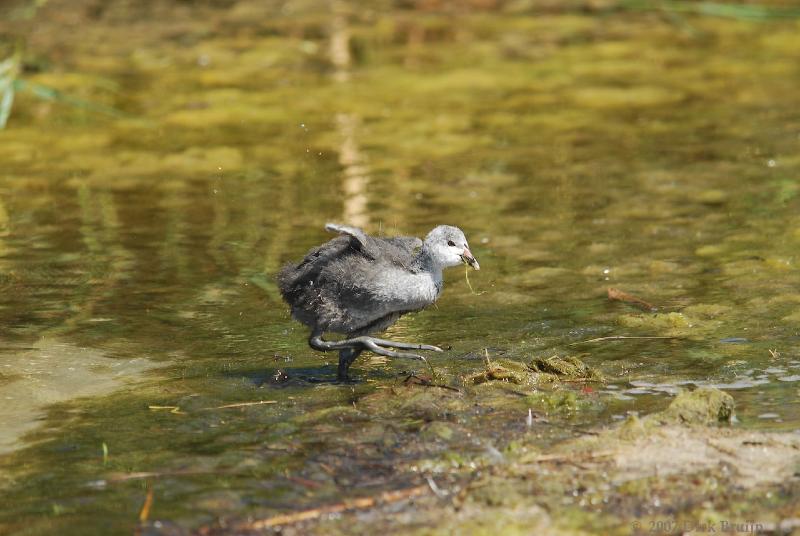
{"x": 451, "y": 243}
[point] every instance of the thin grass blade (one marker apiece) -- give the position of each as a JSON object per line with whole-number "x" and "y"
{"x": 9, "y": 68}
{"x": 52, "y": 94}
{"x": 6, "y": 101}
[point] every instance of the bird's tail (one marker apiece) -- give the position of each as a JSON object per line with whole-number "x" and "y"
{"x": 287, "y": 281}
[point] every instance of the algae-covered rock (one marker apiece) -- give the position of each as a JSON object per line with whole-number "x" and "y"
{"x": 569, "y": 367}
{"x": 706, "y": 405}
{"x": 541, "y": 371}
{"x": 504, "y": 370}
{"x": 508, "y": 371}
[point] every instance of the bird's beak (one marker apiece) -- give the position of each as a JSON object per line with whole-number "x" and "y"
{"x": 469, "y": 259}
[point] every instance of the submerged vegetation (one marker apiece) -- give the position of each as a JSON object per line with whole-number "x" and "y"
{"x": 540, "y": 371}
{"x": 625, "y": 361}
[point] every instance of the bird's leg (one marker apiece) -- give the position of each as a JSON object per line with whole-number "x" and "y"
{"x": 369, "y": 343}
{"x": 346, "y": 358}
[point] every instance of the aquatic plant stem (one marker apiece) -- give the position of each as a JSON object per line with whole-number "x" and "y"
{"x": 466, "y": 276}
{"x": 144, "y": 513}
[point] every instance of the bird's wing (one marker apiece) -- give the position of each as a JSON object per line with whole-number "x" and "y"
{"x": 355, "y": 232}
{"x": 401, "y": 250}
{"x": 398, "y": 251}
{"x": 359, "y": 238}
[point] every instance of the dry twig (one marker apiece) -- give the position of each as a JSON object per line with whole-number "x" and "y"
{"x": 351, "y": 504}
{"x": 148, "y": 503}
{"x": 615, "y": 294}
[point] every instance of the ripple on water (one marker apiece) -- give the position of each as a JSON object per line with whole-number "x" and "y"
{"x": 743, "y": 381}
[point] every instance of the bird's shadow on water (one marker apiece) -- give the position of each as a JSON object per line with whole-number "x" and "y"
{"x": 280, "y": 374}
{"x": 293, "y": 377}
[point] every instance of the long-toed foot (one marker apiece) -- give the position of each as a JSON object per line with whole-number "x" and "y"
{"x": 374, "y": 345}
{"x": 404, "y": 345}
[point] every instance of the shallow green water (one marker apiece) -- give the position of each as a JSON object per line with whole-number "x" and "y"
{"x": 579, "y": 151}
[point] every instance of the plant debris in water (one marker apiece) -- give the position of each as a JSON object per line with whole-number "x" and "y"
{"x": 568, "y": 368}
{"x": 540, "y": 371}
{"x": 615, "y": 294}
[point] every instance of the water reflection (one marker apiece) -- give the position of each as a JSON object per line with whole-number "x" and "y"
{"x": 52, "y": 371}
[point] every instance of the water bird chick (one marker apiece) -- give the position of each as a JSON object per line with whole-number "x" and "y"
{"x": 356, "y": 284}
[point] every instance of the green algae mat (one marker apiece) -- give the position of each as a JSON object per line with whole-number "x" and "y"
{"x": 627, "y": 360}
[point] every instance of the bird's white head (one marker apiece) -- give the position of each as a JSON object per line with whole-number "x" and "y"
{"x": 447, "y": 246}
